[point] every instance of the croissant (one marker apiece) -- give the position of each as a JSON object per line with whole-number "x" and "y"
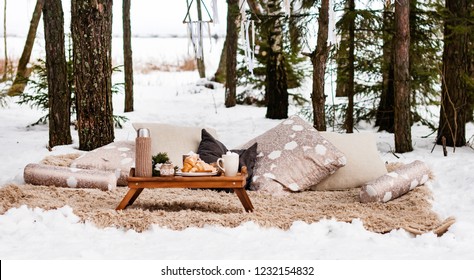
{"x": 189, "y": 163}
{"x": 198, "y": 167}
{"x": 202, "y": 166}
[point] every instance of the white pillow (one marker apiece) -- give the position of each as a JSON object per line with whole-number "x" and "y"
{"x": 174, "y": 140}
{"x": 363, "y": 161}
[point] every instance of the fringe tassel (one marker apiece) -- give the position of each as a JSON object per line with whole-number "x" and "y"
{"x": 199, "y": 39}
{"x": 247, "y": 39}
{"x": 209, "y": 35}
{"x": 189, "y": 31}
{"x": 243, "y": 7}
{"x": 215, "y": 12}
{"x": 287, "y": 7}
{"x": 332, "y": 38}
{"x": 195, "y": 37}
{"x": 249, "y": 49}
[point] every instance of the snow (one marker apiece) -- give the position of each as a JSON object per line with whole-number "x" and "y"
{"x": 180, "y": 98}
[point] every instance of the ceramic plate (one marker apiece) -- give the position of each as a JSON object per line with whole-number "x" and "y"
{"x": 196, "y": 174}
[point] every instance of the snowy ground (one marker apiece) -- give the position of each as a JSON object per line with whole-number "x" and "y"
{"x": 177, "y": 99}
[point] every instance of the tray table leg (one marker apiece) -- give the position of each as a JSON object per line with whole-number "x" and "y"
{"x": 129, "y": 198}
{"x": 244, "y": 199}
{"x": 135, "y": 195}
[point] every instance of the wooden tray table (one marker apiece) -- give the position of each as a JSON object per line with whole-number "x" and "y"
{"x": 137, "y": 184}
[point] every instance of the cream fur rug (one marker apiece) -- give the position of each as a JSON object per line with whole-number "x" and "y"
{"x": 179, "y": 209}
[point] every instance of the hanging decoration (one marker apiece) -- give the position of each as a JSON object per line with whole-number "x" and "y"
{"x": 195, "y": 34}
{"x": 332, "y": 37}
{"x": 247, "y": 34}
{"x": 215, "y": 12}
{"x": 196, "y": 28}
{"x": 286, "y": 4}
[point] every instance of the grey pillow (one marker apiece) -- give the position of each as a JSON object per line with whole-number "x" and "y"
{"x": 293, "y": 156}
{"x": 210, "y": 149}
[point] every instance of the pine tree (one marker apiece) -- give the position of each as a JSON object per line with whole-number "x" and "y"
{"x": 233, "y": 20}
{"x": 59, "y": 96}
{"x": 454, "y": 99}
{"x": 385, "y": 118}
{"x": 318, "y": 58}
{"x": 402, "y": 77}
{"x": 91, "y": 29}
{"x": 349, "y": 122}
{"x": 127, "y": 56}
{"x": 470, "y": 84}
{"x": 292, "y": 41}
{"x": 425, "y": 59}
{"x": 5, "y": 65}
{"x": 276, "y": 87}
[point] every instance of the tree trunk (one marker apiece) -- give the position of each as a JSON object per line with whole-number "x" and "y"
{"x": 91, "y": 24}
{"x": 385, "y": 112}
{"x": 254, "y": 7}
{"x": 233, "y": 21}
{"x": 276, "y": 84}
{"x": 470, "y": 86}
{"x": 454, "y": 99}
{"x": 470, "y": 95}
{"x": 220, "y": 75}
{"x": 200, "y": 60}
{"x": 5, "y": 66}
{"x": 318, "y": 58}
{"x": 349, "y": 123}
{"x": 402, "y": 77}
{"x": 127, "y": 56}
{"x": 59, "y": 96}
{"x": 342, "y": 55}
{"x": 23, "y": 73}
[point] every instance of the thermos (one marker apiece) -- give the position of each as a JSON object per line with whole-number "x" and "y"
{"x": 143, "y": 161}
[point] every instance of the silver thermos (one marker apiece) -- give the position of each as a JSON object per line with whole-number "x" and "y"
{"x": 143, "y": 161}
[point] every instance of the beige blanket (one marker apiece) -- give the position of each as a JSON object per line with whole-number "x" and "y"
{"x": 179, "y": 209}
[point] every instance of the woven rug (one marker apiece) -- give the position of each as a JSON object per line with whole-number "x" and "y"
{"x": 179, "y": 209}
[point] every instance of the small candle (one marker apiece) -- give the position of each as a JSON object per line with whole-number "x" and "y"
{"x": 167, "y": 169}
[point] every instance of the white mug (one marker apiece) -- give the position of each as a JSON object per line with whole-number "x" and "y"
{"x": 229, "y": 163}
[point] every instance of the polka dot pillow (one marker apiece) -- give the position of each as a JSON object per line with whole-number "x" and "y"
{"x": 396, "y": 183}
{"x": 117, "y": 157}
{"x": 293, "y": 156}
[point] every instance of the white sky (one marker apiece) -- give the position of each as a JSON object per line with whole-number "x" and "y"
{"x": 163, "y": 17}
